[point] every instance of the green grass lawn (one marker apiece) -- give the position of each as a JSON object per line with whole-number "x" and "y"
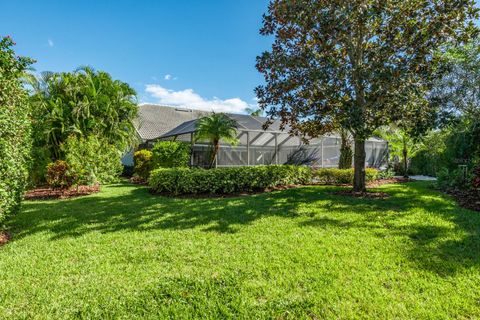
{"x": 300, "y": 253}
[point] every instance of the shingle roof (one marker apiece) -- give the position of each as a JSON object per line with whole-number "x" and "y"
{"x": 154, "y": 120}
{"x": 245, "y": 123}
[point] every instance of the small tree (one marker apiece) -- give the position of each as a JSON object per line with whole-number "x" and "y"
{"x": 355, "y": 63}
{"x": 214, "y": 128}
{"x": 400, "y": 144}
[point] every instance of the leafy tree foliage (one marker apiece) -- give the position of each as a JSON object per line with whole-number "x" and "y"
{"x": 214, "y": 128}
{"x": 355, "y": 64}
{"x": 82, "y": 103}
{"x": 92, "y": 160}
{"x": 170, "y": 154}
{"x": 14, "y": 128}
{"x": 457, "y": 89}
{"x": 400, "y": 145}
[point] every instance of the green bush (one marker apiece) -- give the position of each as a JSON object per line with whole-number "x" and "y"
{"x": 59, "y": 175}
{"x": 226, "y": 180}
{"x": 341, "y": 176}
{"x": 386, "y": 174}
{"x": 170, "y": 154}
{"x": 92, "y": 159}
{"x": 15, "y": 127}
{"x": 142, "y": 160}
{"x": 453, "y": 179}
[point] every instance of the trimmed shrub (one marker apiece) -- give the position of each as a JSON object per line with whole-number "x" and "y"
{"x": 386, "y": 174}
{"x": 170, "y": 154}
{"x": 226, "y": 180}
{"x": 92, "y": 159}
{"x": 142, "y": 160}
{"x": 15, "y": 127}
{"x": 341, "y": 176}
{"x": 59, "y": 175}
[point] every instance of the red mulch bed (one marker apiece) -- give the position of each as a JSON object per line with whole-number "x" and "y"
{"x": 4, "y": 237}
{"x": 50, "y": 193}
{"x": 469, "y": 199}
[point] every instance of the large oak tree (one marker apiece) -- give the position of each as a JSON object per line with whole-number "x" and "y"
{"x": 355, "y": 63}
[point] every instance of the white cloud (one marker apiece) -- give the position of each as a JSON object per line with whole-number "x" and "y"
{"x": 50, "y": 43}
{"x": 168, "y": 77}
{"x": 189, "y": 99}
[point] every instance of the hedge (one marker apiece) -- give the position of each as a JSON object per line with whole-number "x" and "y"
{"x": 15, "y": 142}
{"x": 341, "y": 176}
{"x": 226, "y": 180}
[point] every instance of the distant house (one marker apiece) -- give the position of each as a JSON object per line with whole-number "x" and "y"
{"x": 257, "y": 146}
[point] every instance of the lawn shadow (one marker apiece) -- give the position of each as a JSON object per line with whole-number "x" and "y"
{"x": 435, "y": 248}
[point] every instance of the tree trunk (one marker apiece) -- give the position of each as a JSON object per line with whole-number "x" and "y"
{"x": 213, "y": 163}
{"x": 405, "y": 160}
{"x": 345, "y": 161}
{"x": 359, "y": 166}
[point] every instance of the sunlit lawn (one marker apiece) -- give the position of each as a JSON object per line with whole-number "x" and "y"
{"x": 300, "y": 253}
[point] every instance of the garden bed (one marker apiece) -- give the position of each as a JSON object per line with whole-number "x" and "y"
{"x": 51, "y": 193}
{"x": 4, "y": 237}
{"x": 469, "y": 199}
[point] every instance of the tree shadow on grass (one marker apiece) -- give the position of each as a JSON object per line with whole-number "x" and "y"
{"x": 440, "y": 249}
{"x": 444, "y": 249}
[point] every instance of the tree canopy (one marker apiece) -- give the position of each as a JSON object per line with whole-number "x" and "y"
{"x": 82, "y": 103}
{"x": 214, "y": 128}
{"x": 355, "y": 64}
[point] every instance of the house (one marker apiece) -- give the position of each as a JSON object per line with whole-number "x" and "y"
{"x": 257, "y": 146}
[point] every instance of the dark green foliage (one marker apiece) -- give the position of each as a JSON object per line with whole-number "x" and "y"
{"x": 59, "y": 175}
{"x": 386, "y": 174}
{"x": 15, "y": 130}
{"x": 142, "y": 160}
{"x": 455, "y": 145}
{"x": 453, "y": 179}
{"x": 346, "y": 153}
{"x": 170, "y": 154}
{"x": 227, "y": 180}
{"x": 355, "y": 64}
{"x": 92, "y": 159}
{"x": 341, "y": 176}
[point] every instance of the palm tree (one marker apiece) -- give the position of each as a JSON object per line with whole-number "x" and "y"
{"x": 254, "y": 112}
{"x": 214, "y": 128}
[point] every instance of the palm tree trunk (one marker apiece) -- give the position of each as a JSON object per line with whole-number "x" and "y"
{"x": 405, "y": 159}
{"x": 213, "y": 163}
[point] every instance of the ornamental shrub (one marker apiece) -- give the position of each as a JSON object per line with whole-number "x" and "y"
{"x": 226, "y": 180}
{"x": 142, "y": 160}
{"x": 170, "y": 154}
{"x": 15, "y": 127}
{"x": 341, "y": 176}
{"x": 59, "y": 175}
{"x": 92, "y": 159}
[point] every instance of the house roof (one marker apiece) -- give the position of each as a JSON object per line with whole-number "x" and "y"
{"x": 155, "y": 120}
{"x": 244, "y": 122}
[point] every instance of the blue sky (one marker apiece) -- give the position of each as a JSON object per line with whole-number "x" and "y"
{"x": 194, "y": 53}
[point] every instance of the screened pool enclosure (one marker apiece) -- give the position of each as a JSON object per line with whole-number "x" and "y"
{"x": 272, "y": 146}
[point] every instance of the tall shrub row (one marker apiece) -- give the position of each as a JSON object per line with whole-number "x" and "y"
{"x": 14, "y": 129}
{"x": 226, "y": 180}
